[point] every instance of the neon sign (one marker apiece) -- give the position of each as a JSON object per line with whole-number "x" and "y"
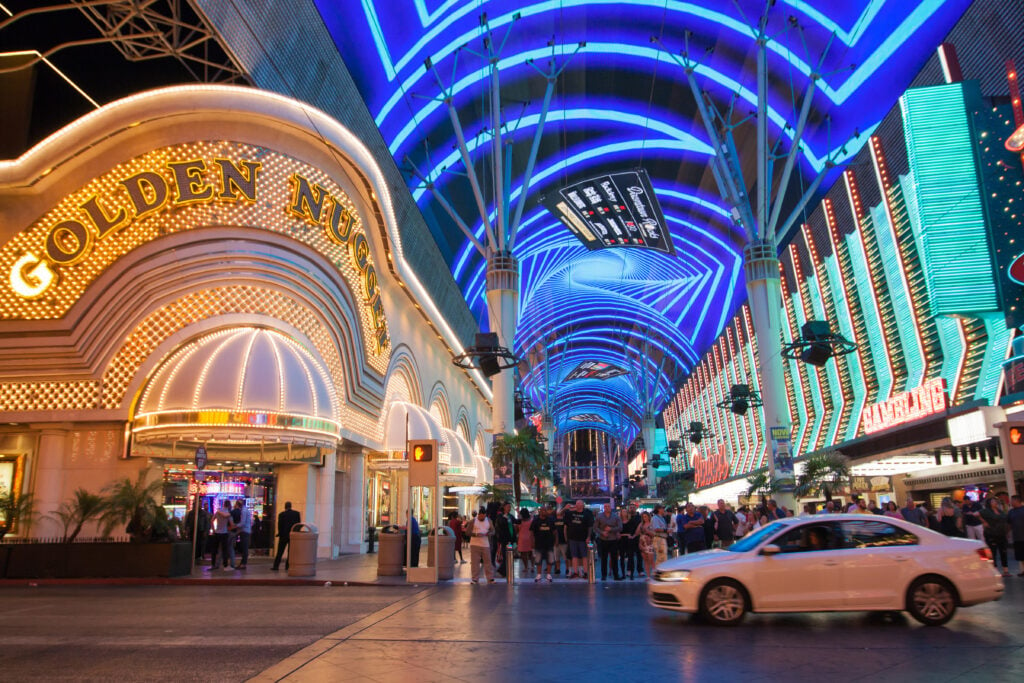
{"x": 60, "y": 254}
{"x": 927, "y": 399}
{"x": 711, "y": 468}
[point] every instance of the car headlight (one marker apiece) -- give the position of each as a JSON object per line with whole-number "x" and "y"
{"x": 672, "y": 575}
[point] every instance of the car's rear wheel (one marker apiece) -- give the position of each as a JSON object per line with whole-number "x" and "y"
{"x": 931, "y": 600}
{"x": 723, "y": 602}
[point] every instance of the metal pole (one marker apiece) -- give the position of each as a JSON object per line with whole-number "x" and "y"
{"x": 510, "y": 565}
{"x": 195, "y": 524}
{"x": 591, "y": 578}
{"x": 762, "y": 132}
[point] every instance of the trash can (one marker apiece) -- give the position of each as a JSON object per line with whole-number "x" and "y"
{"x": 390, "y": 551}
{"x": 441, "y": 551}
{"x": 302, "y": 550}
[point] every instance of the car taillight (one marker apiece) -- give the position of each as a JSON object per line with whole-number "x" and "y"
{"x": 985, "y": 554}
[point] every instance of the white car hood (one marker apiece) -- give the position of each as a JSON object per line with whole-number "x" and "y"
{"x": 701, "y": 559}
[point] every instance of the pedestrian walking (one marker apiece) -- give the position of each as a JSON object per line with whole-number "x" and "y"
{"x": 455, "y": 524}
{"x": 243, "y": 524}
{"x": 285, "y": 521}
{"x": 1015, "y": 522}
{"x": 994, "y": 521}
{"x": 480, "y": 530}
{"x": 222, "y": 525}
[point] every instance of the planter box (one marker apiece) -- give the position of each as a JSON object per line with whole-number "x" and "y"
{"x": 97, "y": 560}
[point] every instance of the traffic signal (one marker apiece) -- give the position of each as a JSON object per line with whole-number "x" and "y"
{"x": 422, "y": 465}
{"x": 1017, "y": 435}
{"x": 423, "y": 452}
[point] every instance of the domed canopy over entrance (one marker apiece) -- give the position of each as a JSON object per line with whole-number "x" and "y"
{"x": 239, "y": 387}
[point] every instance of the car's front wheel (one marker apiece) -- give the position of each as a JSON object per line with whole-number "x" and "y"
{"x": 723, "y": 602}
{"x": 931, "y": 600}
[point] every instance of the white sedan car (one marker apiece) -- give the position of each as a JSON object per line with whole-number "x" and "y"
{"x": 830, "y": 563}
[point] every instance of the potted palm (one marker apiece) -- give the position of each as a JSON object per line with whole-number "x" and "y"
{"x": 73, "y": 514}
{"x": 150, "y": 552}
{"x": 14, "y": 507}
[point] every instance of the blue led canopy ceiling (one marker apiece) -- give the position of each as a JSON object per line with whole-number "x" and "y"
{"x": 622, "y": 103}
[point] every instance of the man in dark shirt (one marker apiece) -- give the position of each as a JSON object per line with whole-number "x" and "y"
{"x": 503, "y": 536}
{"x": 285, "y": 521}
{"x": 632, "y": 560}
{"x": 725, "y": 524}
{"x": 692, "y": 530}
{"x": 543, "y": 528}
{"x": 577, "y": 531}
{"x": 561, "y": 547}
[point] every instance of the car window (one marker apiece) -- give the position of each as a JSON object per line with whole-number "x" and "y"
{"x": 809, "y": 538}
{"x": 875, "y": 534}
{"x": 752, "y": 540}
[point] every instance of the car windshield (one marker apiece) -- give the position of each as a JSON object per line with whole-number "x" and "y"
{"x": 751, "y": 541}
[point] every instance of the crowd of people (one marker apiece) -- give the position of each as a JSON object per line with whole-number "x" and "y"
{"x": 227, "y": 535}
{"x": 554, "y": 541}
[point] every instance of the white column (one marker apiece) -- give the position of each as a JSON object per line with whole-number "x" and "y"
{"x": 354, "y": 515}
{"x": 503, "y": 313}
{"x": 650, "y": 432}
{"x": 324, "y": 519}
{"x": 764, "y": 293}
{"x": 48, "y": 491}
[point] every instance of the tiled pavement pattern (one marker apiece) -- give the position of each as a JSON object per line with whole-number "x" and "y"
{"x": 576, "y": 631}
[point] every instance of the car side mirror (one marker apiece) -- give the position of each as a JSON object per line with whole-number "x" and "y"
{"x": 771, "y": 549}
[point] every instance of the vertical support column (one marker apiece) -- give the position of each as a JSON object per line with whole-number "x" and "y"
{"x": 649, "y": 432}
{"x": 764, "y": 292}
{"x": 503, "y": 312}
{"x": 49, "y": 481}
{"x": 353, "y": 509}
{"x": 324, "y": 518}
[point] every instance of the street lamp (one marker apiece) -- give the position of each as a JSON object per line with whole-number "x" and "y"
{"x": 818, "y": 344}
{"x": 486, "y": 355}
{"x": 741, "y": 397}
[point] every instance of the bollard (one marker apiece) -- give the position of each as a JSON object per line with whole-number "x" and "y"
{"x": 510, "y": 565}
{"x": 372, "y": 532}
{"x": 590, "y": 563}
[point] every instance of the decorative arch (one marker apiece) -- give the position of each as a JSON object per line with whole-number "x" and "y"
{"x": 439, "y": 406}
{"x": 462, "y": 424}
{"x": 404, "y": 375}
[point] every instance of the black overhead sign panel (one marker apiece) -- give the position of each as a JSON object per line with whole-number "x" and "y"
{"x": 592, "y": 369}
{"x": 616, "y": 210}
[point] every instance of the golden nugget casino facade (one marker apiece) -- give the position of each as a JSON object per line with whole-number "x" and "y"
{"x": 221, "y": 267}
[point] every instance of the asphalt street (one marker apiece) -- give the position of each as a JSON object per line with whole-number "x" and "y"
{"x": 564, "y": 632}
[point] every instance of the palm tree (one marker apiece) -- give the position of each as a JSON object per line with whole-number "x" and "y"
{"x": 825, "y": 471}
{"x": 74, "y": 513}
{"x": 14, "y": 508}
{"x": 679, "y": 493}
{"x": 760, "y": 483}
{"x": 522, "y": 453}
{"x": 491, "y": 492}
{"x": 134, "y": 503}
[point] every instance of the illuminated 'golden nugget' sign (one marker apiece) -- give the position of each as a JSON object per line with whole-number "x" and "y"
{"x": 183, "y": 188}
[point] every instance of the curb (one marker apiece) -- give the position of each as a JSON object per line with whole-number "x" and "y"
{"x": 158, "y": 581}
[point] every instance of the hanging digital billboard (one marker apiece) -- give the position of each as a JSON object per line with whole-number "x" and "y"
{"x": 614, "y": 210}
{"x": 592, "y": 369}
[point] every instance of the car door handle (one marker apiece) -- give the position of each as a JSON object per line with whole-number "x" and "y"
{"x": 831, "y": 563}
{"x": 901, "y": 558}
